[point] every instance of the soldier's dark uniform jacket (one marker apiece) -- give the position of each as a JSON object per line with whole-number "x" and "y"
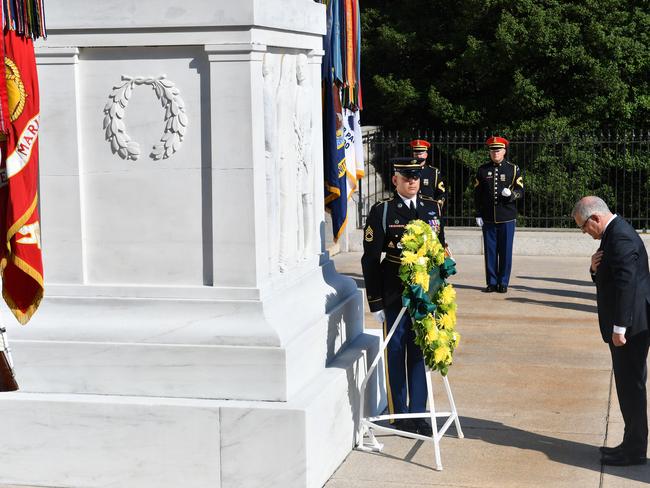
{"x": 490, "y": 181}
{"x": 382, "y": 233}
{"x": 432, "y": 184}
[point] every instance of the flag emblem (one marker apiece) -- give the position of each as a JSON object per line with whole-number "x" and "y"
{"x": 16, "y": 94}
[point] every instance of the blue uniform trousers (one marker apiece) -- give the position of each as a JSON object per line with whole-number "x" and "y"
{"x": 405, "y": 366}
{"x": 497, "y": 248}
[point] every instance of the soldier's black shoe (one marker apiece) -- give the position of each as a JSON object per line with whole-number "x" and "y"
{"x": 423, "y": 427}
{"x": 406, "y": 425}
{"x": 611, "y": 450}
{"x": 502, "y": 289}
{"x": 489, "y": 289}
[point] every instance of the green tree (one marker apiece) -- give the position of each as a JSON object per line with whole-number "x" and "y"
{"x": 562, "y": 66}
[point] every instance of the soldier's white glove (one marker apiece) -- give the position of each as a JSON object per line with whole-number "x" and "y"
{"x": 479, "y": 221}
{"x": 379, "y": 316}
{"x": 506, "y": 192}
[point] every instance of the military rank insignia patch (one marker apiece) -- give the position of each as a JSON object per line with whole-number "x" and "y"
{"x": 391, "y": 245}
{"x": 369, "y": 234}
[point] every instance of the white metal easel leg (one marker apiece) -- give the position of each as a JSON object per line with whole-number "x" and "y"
{"x": 452, "y": 405}
{"x": 434, "y": 423}
{"x": 369, "y": 424}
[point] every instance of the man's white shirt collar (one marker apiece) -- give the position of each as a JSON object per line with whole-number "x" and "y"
{"x": 407, "y": 201}
{"x": 609, "y": 222}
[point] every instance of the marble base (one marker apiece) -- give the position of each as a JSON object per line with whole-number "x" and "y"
{"x": 191, "y": 348}
{"x": 72, "y": 440}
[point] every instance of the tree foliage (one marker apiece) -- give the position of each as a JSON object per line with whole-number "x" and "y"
{"x": 530, "y": 65}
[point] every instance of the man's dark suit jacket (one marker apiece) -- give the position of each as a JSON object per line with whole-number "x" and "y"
{"x": 622, "y": 281}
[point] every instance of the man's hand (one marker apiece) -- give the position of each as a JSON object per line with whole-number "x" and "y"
{"x": 595, "y": 261}
{"x": 618, "y": 339}
{"x": 479, "y": 221}
{"x": 379, "y": 316}
{"x": 506, "y": 192}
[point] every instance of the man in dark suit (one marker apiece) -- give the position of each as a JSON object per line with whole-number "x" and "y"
{"x": 620, "y": 270}
{"x": 407, "y": 386}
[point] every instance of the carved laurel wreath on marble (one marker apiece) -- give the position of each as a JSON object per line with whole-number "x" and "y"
{"x": 175, "y": 118}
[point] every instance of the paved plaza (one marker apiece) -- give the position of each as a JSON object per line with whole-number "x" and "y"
{"x": 532, "y": 383}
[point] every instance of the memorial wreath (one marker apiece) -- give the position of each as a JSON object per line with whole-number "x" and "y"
{"x": 429, "y": 299}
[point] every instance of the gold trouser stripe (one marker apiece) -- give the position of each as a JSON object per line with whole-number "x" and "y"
{"x": 389, "y": 394}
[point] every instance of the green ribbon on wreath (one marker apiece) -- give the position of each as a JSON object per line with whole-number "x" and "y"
{"x": 417, "y": 302}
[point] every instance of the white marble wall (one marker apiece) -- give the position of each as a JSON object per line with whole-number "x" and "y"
{"x": 186, "y": 302}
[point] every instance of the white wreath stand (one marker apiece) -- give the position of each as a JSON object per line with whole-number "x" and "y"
{"x": 366, "y": 440}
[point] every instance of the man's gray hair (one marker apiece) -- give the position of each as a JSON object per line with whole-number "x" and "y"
{"x": 588, "y": 206}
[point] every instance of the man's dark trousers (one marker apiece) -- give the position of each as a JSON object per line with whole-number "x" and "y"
{"x": 401, "y": 373}
{"x": 630, "y": 374}
{"x": 497, "y": 248}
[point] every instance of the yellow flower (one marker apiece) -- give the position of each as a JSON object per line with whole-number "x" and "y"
{"x": 409, "y": 257}
{"x": 452, "y": 314}
{"x": 422, "y": 252}
{"x": 432, "y": 335}
{"x": 442, "y": 355}
{"x": 422, "y": 279}
{"x": 455, "y": 339}
{"x": 447, "y": 295}
{"x": 447, "y": 321}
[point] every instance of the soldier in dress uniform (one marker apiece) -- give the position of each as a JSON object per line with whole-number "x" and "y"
{"x": 382, "y": 234}
{"x": 497, "y": 188}
{"x": 431, "y": 182}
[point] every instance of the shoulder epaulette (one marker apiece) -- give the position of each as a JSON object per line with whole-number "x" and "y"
{"x": 387, "y": 199}
{"x": 427, "y": 197}
{"x": 377, "y": 203}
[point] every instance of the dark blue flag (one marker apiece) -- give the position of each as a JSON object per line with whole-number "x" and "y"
{"x": 334, "y": 170}
{"x": 336, "y": 201}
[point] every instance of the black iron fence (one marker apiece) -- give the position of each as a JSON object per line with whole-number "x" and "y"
{"x": 557, "y": 171}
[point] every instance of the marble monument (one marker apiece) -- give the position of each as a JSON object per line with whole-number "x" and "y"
{"x": 194, "y": 332}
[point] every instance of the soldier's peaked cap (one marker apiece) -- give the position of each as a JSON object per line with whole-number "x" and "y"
{"x": 407, "y": 166}
{"x": 420, "y": 145}
{"x": 497, "y": 143}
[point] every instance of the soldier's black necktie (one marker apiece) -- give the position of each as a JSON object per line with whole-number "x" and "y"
{"x": 414, "y": 214}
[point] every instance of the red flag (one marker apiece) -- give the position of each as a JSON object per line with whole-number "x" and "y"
{"x": 22, "y": 266}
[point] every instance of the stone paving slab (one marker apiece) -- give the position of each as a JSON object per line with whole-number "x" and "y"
{"x": 532, "y": 383}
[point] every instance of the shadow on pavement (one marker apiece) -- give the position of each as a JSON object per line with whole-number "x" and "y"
{"x": 408, "y": 457}
{"x": 460, "y": 286}
{"x": 559, "y": 450}
{"x": 580, "y": 307}
{"x": 557, "y": 292}
{"x": 564, "y": 281}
